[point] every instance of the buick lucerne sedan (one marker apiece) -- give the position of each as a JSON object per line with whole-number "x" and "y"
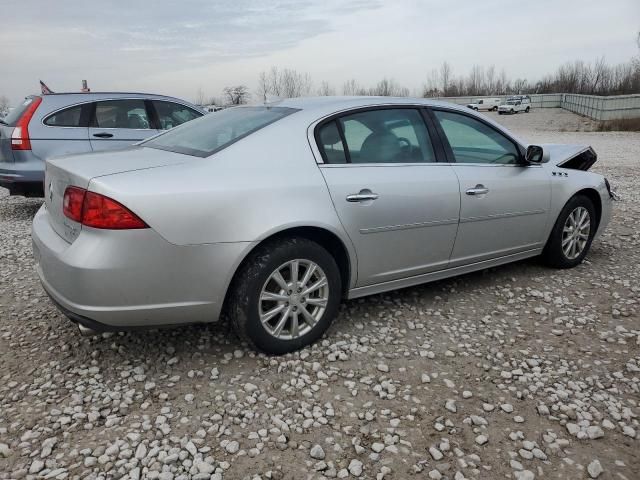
{"x": 269, "y": 215}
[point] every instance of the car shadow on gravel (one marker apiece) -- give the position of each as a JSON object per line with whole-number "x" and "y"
{"x": 19, "y": 209}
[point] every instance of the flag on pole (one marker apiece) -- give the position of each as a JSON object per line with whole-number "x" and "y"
{"x": 45, "y": 90}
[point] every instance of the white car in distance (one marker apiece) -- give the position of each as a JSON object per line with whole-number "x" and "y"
{"x": 490, "y": 104}
{"x": 515, "y": 104}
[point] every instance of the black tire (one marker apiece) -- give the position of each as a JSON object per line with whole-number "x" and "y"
{"x": 500, "y": 113}
{"x": 243, "y": 305}
{"x": 553, "y": 254}
{"x": 513, "y": 111}
{"x": 526, "y": 110}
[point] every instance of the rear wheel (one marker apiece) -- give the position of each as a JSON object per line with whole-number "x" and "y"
{"x": 572, "y": 233}
{"x": 285, "y": 296}
{"x": 526, "y": 110}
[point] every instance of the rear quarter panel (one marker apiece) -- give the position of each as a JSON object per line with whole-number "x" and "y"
{"x": 259, "y": 186}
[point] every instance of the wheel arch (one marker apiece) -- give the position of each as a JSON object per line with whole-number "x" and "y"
{"x": 593, "y": 195}
{"x": 331, "y": 241}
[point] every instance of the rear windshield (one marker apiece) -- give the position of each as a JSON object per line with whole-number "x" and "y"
{"x": 16, "y": 113}
{"x": 213, "y": 132}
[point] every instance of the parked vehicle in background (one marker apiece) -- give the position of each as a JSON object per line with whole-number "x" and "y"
{"x": 515, "y": 104}
{"x": 45, "y": 126}
{"x": 489, "y": 104}
{"x": 274, "y": 213}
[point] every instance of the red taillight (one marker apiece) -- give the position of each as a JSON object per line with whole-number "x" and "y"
{"x": 72, "y": 203}
{"x": 98, "y": 211}
{"x": 20, "y": 136}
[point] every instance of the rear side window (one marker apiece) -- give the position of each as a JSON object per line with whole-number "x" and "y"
{"x": 387, "y": 136}
{"x": 173, "y": 114}
{"x": 331, "y": 144}
{"x": 69, "y": 117}
{"x": 212, "y": 133}
{"x": 121, "y": 114}
{"x": 15, "y": 114}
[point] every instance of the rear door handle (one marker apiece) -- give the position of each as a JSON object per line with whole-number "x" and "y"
{"x": 364, "y": 195}
{"x": 477, "y": 190}
{"x": 103, "y": 135}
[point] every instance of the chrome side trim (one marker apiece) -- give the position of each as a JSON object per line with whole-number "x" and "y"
{"x": 407, "y": 226}
{"x": 439, "y": 275}
{"x": 501, "y": 215}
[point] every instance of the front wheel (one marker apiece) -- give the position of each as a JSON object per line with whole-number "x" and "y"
{"x": 572, "y": 234}
{"x": 285, "y": 296}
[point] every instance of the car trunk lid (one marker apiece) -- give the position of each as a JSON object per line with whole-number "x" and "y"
{"x": 79, "y": 170}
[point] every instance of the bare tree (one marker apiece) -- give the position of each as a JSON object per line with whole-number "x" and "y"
{"x": 200, "y": 97}
{"x": 389, "y": 88}
{"x": 236, "y": 95}
{"x": 326, "y": 90}
{"x": 4, "y": 104}
{"x": 445, "y": 77}
{"x": 284, "y": 83}
{"x": 351, "y": 87}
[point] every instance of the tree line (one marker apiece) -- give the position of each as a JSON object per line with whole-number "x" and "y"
{"x": 596, "y": 78}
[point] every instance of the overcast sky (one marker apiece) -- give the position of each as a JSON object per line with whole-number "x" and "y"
{"x": 176, "y": 47}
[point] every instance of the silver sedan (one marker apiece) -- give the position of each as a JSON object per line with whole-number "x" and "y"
{"x": 272, "y": 214}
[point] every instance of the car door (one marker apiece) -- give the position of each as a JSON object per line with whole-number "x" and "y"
{"x": 398, "y": 205}
{"x": 119, "y": 123}
{"x": 504, "y": 202}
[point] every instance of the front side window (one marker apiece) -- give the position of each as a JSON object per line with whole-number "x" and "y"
{"x": 212, "y": 133}
{"x": 387, "y": 136}
{"x": 69, "y": 117}
{"x": 173, "y": 114}
{"x": 472, "y": 141}
{"x": 121, "y": 114}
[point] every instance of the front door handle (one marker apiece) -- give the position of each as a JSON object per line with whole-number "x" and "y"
{"x": 364, "y": 195}
{"x": 477, "y": 190}
{"x": 103, "y": 135}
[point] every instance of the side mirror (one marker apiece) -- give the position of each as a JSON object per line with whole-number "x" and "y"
{"x": 534, "y": 154}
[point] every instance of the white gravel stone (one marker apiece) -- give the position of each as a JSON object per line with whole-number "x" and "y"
{"x": 317, "y": 452}
{"x": 595, "y": 469}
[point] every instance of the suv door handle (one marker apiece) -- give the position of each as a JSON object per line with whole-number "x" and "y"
{"x": 477, "y": 190}
{"x": 103, "y": 135}
{"x": 364, "y": 195}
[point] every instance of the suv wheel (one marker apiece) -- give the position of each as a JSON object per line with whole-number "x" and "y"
{"x": 572, "y": 233}
{"x": 285, "y": 296}
{"x": 526, "y": 110}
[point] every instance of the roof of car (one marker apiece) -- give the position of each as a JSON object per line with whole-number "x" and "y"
{"x": 327, "y": 105}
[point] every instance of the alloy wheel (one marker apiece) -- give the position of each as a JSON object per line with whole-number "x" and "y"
{"x": 575, "y": 233}
{"x": 293, "y": 299}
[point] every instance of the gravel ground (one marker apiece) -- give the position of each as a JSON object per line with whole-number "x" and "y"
{"x": 516, "y": 372}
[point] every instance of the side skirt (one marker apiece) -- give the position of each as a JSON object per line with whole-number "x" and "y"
{"x": 440, "y": 274}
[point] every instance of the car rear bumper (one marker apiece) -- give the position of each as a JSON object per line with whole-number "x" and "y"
{"x": 23, "y": 178}
{"x": 120, "y": 280}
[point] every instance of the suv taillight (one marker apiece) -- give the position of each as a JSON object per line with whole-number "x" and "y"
{"x": 98, "y": 211}
{"x": 20, "y": 136}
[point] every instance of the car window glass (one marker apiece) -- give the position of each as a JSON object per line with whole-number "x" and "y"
{"x": 474, "y": 142}
{"x": 211, "y": 133}
{"x": 173, "y": 114}
{"x": 121, "y": 114}
{"x": 331, "y": 143}
{"x": 69, "y": 117}
{"x": 387, "y": 136}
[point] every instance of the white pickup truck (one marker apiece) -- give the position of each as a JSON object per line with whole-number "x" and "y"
{"x": 515, "y": 104}
{"x": 485, "y": 104}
